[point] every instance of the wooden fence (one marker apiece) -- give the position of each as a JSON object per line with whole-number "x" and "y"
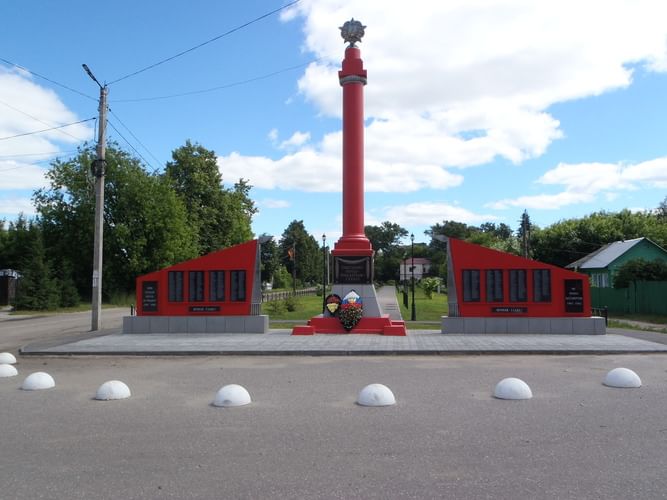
{"x": 641, "y": 297}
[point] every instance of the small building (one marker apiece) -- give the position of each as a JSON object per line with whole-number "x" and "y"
{"x": 603, "y": 264}
{"x": 422, "y": 268}
{"x": 8, "y": 281}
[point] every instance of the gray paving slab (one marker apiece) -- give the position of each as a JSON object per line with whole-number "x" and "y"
{"x": 281, "y": 342}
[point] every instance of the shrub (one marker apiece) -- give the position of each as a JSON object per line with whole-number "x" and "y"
{"x": 275, "y": 307}
{"x": 292, "y": 304}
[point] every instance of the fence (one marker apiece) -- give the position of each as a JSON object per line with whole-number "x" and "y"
{"x": 641, "y": 297}
{"x": 284, "y": 294}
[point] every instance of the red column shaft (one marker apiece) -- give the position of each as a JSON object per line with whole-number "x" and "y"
{"x": 353, "y": 78}
{"x": 353, "y": 159}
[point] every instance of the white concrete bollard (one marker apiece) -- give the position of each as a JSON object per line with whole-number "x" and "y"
{"x": 512, "y": 388}
{"x": 376, "y": 395}
{"x": 232, "y": 395}
{"x": 7, "y": 358}
{"x": 113, "y": 389}
{"x": 7, "y": 371}
{"x": 38, "y": 381}
{"x": 623, "y": 378}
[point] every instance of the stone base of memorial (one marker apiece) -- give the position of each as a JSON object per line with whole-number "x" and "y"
{"x": 196, "y": 324}
{"x": 594, "y": 325}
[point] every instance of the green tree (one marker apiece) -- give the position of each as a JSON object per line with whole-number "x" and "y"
{"x": 37, "y": 288}
{"x": 386, "y": 241}
{"x": 640, "y": 270}
{"x": 220, "y": 217}
{"x": 145, "y": 224}
{"x": 269, "y": 258}
{"x": 568, "y": 240}
{"x": 308, "y": 258}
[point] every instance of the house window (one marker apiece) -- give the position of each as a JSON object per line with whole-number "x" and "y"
{"x": 494, "y": 285}
{"x": 600, "y": 280}
{"x": 175, "y": 286}
{"x": 238, "y": 286}
{"x": 471, "y": 285}
{"x": 216, "y": 281}
{"x": 542, "y": 285}
{"x": 518, "y": 285}
{"x": 196, "y": 288}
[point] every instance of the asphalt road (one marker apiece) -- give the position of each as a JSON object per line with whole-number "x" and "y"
{"x": 17, "y": 331}
{"x": 304, "y": 436}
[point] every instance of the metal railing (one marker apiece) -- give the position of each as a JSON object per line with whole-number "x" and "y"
{"x": 284, "y": 294}
{"x": 601, "y": 311}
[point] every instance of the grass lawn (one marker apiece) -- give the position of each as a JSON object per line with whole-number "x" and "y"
{"x": 425, "y": 309}
{"x": 428, "y": 311}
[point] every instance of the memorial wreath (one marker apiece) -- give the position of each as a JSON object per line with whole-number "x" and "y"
{"x": 351, "y": 310}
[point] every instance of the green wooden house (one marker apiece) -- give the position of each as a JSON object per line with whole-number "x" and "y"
{"x": 602, "y": 265}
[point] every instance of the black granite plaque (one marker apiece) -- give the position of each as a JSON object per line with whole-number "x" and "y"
{"x": 204, "y": 309}
{"x": 353, "y": 270}
{"x": 574, "y": 296}
{"x": 509, "y": 310}
{"x": 149, "y": 296}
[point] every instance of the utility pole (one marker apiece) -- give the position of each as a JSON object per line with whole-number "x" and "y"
{"x": 98, "y": 168}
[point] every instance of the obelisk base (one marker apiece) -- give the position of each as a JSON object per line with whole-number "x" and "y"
{"x": 373, "y": 320}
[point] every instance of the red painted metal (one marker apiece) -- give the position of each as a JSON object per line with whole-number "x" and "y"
{"x": 352, "y": 77}
{"x": 237, "y": 258}
{"x": 467, "y": 256}
{"x": 382, "y": 325}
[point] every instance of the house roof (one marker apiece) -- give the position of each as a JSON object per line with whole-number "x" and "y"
{"x": 604, "y": 255}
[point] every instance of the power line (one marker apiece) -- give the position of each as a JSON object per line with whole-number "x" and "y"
{"x": 45, "y": 153}
{"x": 47, "y": 79}
{"x": 133, "y": 148}
{"x": 233, "y": 30}
{"x": 135, "y": 137}
{"x": 45, "y": 130}
{"x": 226, "y": 86}
{"x": 37, "y": 119}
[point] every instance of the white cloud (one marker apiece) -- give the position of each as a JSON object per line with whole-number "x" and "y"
{"x": 429, "y": 213}
{"x": 26, "y": 107}
{"x": 458, "y": 83}
{"x": 16, "y": 175}
{"x": 297, "y": 139}
{"x": 271, "y": 203}
{"x": 584, "y": 181}
{"x": 12, "y": 206}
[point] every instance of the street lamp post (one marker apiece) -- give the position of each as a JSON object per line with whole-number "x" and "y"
{"x": 324, "y": 274}
{"x": 413, "y": 315}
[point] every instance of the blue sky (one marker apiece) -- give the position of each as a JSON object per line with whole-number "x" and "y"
{"x": 475, "y": 110}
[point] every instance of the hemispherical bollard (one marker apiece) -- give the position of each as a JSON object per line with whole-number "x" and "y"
{"x": 38, "y": 381}
{"x": 113, "y": 389}
{"x": 7, "y": 371}
{"x": 7, "y": 358}
{"x": 376, "y": 395}
{"x": 232, "y": 395}
{"x": 623, "y": 378}
{"x": 512, "y": 388}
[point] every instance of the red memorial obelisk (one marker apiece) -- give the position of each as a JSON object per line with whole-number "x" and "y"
{"x": 353, "y": 253}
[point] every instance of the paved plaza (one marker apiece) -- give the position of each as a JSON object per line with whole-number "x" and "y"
{"x": 281, "y": 342}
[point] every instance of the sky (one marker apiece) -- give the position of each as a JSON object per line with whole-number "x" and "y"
{"x": 475, "y": 110}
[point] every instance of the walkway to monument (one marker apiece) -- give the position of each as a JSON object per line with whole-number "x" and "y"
{"x": 388, "y": 302}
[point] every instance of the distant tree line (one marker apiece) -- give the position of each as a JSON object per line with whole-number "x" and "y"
{"x": 151, "y": 220}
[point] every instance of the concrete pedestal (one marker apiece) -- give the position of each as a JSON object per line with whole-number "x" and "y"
{"x": 594, "y": 325}
{"x": 196, "y": 324}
